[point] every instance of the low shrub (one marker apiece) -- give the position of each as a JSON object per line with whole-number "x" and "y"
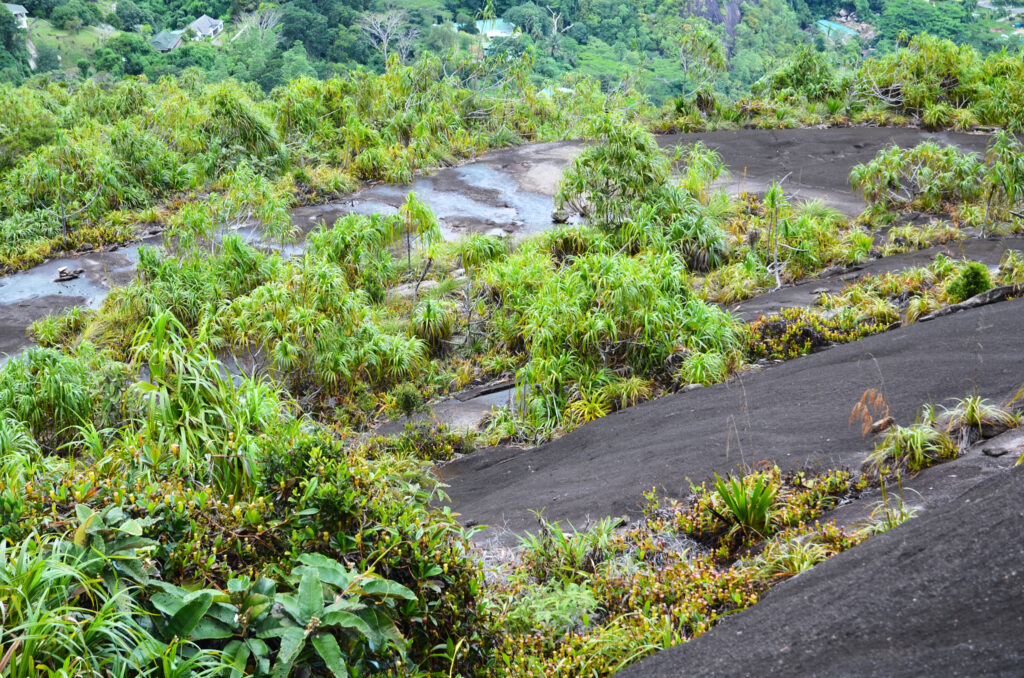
{"x": 972, "y": 280}
{"x": 797, "y": 331}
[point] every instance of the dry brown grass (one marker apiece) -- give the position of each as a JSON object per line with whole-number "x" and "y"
{"x": 871, "y": 408}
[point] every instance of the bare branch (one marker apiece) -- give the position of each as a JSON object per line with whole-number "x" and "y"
{"x": 263, "y": 21}
{"x": 382, "y": 29}
{"x": 403, "y": 42}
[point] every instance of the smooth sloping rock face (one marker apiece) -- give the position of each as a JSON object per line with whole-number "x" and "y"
{"x": 941, "y": 595}
{"x": 805, "y": 293}
{"x": 1011, "y": 442}
{"x": 794, "y": 414}
{"x": 409, "y": 290}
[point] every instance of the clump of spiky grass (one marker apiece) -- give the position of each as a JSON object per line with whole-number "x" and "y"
{"x": 910, "y": 448}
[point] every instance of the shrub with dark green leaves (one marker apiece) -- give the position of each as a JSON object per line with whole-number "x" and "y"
{"x": 408, "y": 399}
{"x": 426, "y": 440}
{"x": 972, "y": 280}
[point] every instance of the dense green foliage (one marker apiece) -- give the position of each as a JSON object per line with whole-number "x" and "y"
{"x": 183, "y": 477}
{"x": 13, "y": 53}
{"x": 93, "y": 162}
{"x": 190, "y": 481}
{"x": 677, "y": 52}
{"x": 978, "y": 192}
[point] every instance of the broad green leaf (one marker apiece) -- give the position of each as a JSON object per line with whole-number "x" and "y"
{"x": 208, "y": 629}
{"x": 222, "y": 610}
{"x": 238, "y": 584}
{"x": 384, "y": 628}
{"x": 167, "y": 603}
{"x": 82, "y": 534}
{"x": 311, "y": 596}
{"x": 236, "y": 655}
{"x": 376, "y": 586}
{"x": 132, "y": 567}
{"x": 349, "y": 604}
{"x": 83, "y": 512}
{"x": 129, "y": 543}
{"x": 347, "y": 620}
{"x": 187, "y": 618}
{"x": 292, "y": 642}
{"x": 289, "y": 602}
{"x": 327, "y": 647}
{"x": 330, "y": 571}
{"x": 132, "y": 527}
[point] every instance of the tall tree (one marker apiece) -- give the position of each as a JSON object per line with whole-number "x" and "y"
{"x": 295, "y": 63}
{"x": 701, "y": 56}
{"x": 382, "y": 29}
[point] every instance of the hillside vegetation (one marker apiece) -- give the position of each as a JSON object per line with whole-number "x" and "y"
{"x": 661, "y": 47}
{"x": 191, "y": 483}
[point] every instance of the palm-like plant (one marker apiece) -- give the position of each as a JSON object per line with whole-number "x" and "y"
{"x": 748, "y": 502}
{"x": 628, "y": 391}
{"x": 51, "y": 393}
{"x": 418, "y": 222}
{"x": 789, "y": 555}
{"x": 1004, "y": 173}
{"x": 1011, "y": 268}
{"x": 920, "y": 305}
{"x": 476, "y": 250}
{"x": 587, "y": 408}
{"x": 433, "y": 321}
{"x": 186, "y": 404}
{"x": 704, "y": 368}
{"x": 703, "y": 167}
{"x": 775, "y": 202}
{"x": 701, "y": 240}
{"x": 606, "y": 181}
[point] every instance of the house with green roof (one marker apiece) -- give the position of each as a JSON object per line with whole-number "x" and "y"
{"x": 166, "y": 41}
{"x": 20, "y": 14}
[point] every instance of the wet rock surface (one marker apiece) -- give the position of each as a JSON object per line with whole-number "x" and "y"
{"x": 513, "y": 189}
{"x": 507, "y": 192}
{"x": 410, "y": 290}
{"x": 464, "y": 410}
{"x": 57, "y": 285}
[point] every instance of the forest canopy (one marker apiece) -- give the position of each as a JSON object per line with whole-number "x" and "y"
{"x": 650, "y": 43}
